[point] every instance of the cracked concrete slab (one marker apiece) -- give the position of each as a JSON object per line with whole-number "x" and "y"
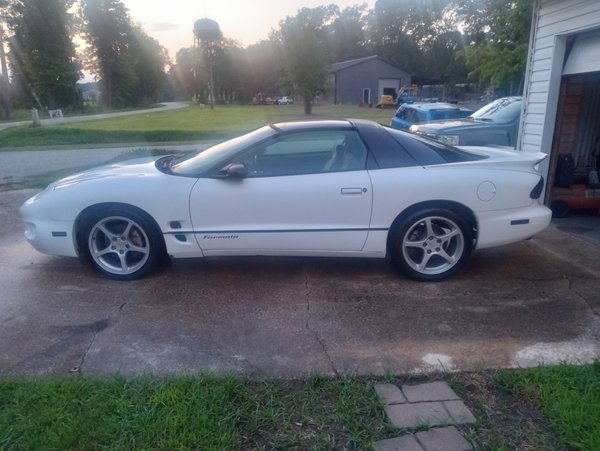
{"x": 284, "y": 317}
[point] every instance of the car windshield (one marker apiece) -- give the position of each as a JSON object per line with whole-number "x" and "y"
{"x": 501, "y": 111}
{"x": 200, "y": 162}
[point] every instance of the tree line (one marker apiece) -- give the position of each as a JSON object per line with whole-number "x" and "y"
{"x": 51, "y": 42}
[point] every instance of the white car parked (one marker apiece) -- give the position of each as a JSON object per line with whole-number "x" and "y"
{"x": 348, "y": 188}
{"x": 285, "y": 100}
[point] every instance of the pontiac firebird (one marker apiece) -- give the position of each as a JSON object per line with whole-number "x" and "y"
{"x": 348, "y": 188}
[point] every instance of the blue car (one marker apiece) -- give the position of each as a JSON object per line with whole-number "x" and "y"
{"x": 416, "y": 113}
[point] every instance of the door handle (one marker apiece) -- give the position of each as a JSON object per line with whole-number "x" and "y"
{"x": 350, "y": 191}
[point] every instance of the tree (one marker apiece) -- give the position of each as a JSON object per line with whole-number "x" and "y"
{"x": 108, "y": 32}
{"x": 499, "y": 35}
{"x": 129, "y": 62}
{"x": 347, "y": 38}
{"x": 262, "y": 66}
{"x": 420, "y": 37}
{"x": 184, "y": 72}
{"x": 149, "y": 67}
{"x": 226, "y": 78}
{"x": 42, "y": 54}
{"x": 303, "y": 38}
{"x": 5, "y": 101}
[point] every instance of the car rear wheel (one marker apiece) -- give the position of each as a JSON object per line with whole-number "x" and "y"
{"x": 122, "y": 244}
{"x": 431, "y": 244}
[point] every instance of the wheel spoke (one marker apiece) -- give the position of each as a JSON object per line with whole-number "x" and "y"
{"x": 423, "y": 265}
{"x": 447, "y": 236}
{"x": 141, "y": 250}
{"x": 123, "y": 260}
{"x": 429, "y": 227}
{"x": 107, "y": 233}
{"x": 101, "y": 252}
{"x": 451, "y": 259}
{"x": 418, "y": 244}
{"x": 127, "y": 230}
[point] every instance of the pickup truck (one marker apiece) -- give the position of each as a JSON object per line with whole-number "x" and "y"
{"x": 497, "y": 123}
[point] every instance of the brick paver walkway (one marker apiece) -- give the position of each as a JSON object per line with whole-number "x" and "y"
{"x": 424, "y": 405}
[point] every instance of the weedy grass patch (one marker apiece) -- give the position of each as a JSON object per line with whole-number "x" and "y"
{"x": 546, "y": 408}
{"x": 189, "y": 412}
{"x": 567, "y": 395}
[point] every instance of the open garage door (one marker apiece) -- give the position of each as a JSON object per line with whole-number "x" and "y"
{"x": 388, "y": 86}
{"x": 584, "y": 55}
{"x": 575, "y": 161}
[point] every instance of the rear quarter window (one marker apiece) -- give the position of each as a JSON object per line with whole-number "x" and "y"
{"x": 428, "y": 152}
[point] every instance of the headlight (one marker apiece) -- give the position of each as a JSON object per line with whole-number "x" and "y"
{"x": 451, "y": 140}
{"x": 413, "y": 128}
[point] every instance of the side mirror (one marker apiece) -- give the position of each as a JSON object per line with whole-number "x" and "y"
{"x": 234, "y": 171}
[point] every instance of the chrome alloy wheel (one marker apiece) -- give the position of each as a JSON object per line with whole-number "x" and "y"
{"x": 118, "y": 245}
{"x": 433, "y": 245}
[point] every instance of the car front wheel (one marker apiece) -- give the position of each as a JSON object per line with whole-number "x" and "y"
{"x": 432, "y": 244}
{"x": 122, "y": 244}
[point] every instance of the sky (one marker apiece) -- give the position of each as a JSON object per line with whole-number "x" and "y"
{"x": 246, "y": 21}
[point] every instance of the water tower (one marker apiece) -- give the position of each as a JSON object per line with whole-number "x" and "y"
{"x": 207, "y": 36}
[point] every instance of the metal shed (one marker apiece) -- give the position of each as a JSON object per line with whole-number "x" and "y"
{"x": 365, "y": 80}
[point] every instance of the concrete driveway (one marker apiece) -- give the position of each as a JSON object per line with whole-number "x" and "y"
{"x": 531, "y": 302}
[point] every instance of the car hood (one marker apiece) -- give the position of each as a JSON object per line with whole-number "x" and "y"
{"x": 141, "y": 167}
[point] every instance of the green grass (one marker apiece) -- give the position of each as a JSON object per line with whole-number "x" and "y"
{"x": 20, "y": 114}
{"x": 188, "y": 124}
{"x": 189, "y": 412}
{"x": 227, "y": 413}
{"x": 568, "y": 396}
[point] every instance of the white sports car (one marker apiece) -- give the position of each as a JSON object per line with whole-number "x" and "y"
{"x": 348, "y": 188}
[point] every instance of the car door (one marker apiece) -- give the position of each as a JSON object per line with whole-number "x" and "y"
{"x": 303, "y": 193}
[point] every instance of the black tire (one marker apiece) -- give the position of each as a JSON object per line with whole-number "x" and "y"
{"x": 121, "y": 243}
{"x": 431, "y": 244}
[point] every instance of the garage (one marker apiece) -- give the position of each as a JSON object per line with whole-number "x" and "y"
{"x": 389, "y": 87}
{"x": 575, "y": 153}
{"x": 562, "y": 103}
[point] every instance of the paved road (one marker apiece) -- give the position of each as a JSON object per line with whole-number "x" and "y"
{"x": 16, "y": 166}
{"x": 69, "y": 120}
{"x": 517, "y": 305}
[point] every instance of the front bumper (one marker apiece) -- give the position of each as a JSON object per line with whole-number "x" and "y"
{"x": 51, "y": 238}
{"x": 47, "y": 235}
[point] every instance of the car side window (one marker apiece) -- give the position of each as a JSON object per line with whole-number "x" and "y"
{"x": 309, "y": 152}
